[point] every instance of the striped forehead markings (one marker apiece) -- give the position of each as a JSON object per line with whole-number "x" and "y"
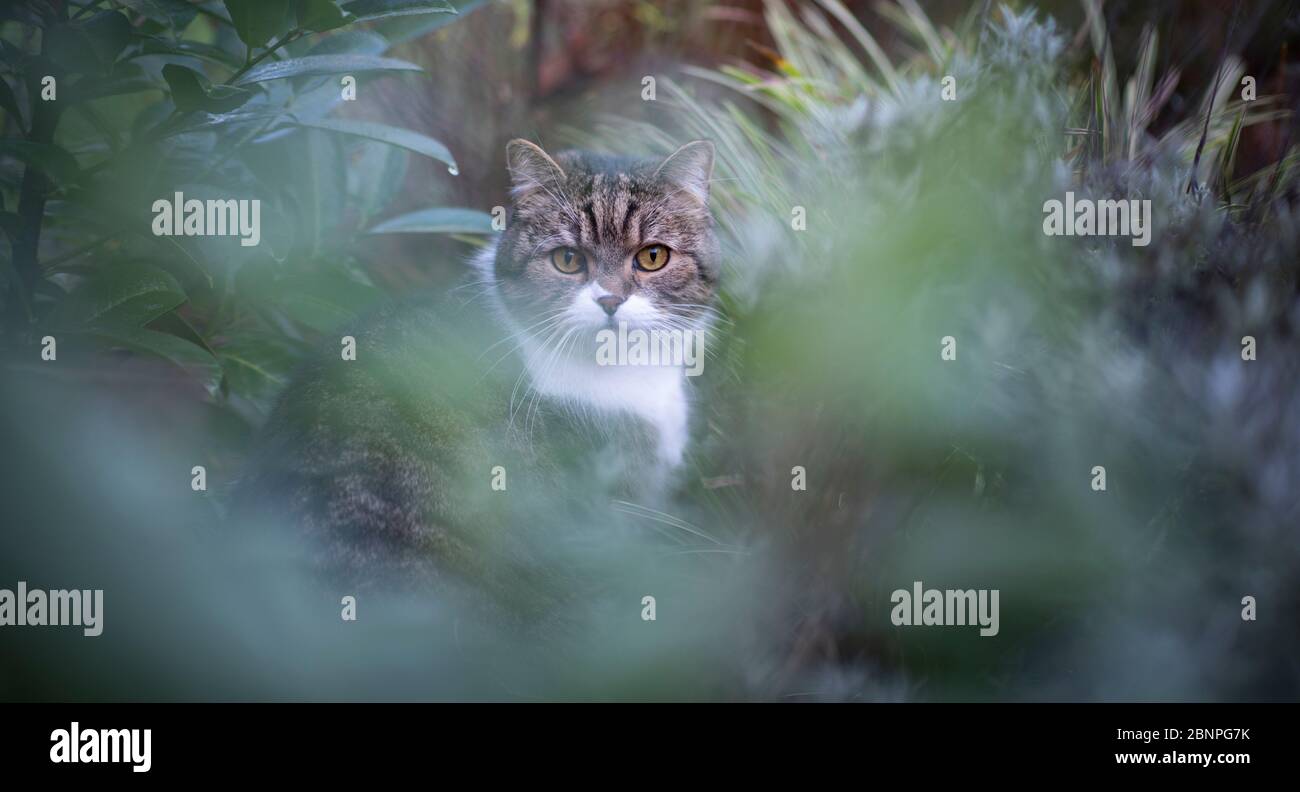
{"x": 610, "y": 198}
{"x": 590, "y": 211}
{"x": 627, "y": 218}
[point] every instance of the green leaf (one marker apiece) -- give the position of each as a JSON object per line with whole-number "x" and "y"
{"x": 110, "y": 33}
{"x": 400, "y": 30}
{"x": 376, "y": 176}
{"x": 9, "y": 102}
{"x": 55, "y": 162}
{"x": 90, "y": 46}
{"x": 127, "y": 78}
{"x": 437, "y": 220}
{"x": 108, "y": 133}
{"x": 258, "y": 113}
{"x": 12, "y": 225}
{"x": 173, "y": 323}
{"x": 316, "y": 65}
{"x": 351, "y": 42}
{"x": 153, "y": 45}
{"x": 394, "y": 136}
{"x": 258, "y": 21}
{"x": 322, "y": 172}
{"x": 256, "y": 368}
{"x": 320, "y": 15}
{"x": 68, "y": 48}
{"x": 12, "y": 55}
{"x": 193, "y": 359}
{"x": 124, "y": 294}
{"x": 322, "y": 301}
{"x": 191, "y": 91}
{"x": 378, "y": 9}
{"x": 175, "y": 14}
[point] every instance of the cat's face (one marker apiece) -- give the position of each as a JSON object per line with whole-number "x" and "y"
{"x": 596, "y": 241}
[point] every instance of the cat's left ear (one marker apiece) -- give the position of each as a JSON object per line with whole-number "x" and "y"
{"x": 531, "y": 168}
{"x": 690, "y": 167}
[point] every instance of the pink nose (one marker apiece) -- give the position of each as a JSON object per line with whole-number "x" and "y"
{"x": 610, "y": 302}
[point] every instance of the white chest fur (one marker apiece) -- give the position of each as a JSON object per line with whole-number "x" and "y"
{"x": 656, "y": 394}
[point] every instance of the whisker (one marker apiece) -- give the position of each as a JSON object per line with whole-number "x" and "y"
{"x": 637, "y": 510}
{"x": 559, "y": 326}
{"x": 545, "y": 317}
{"x": 524, "y": 337}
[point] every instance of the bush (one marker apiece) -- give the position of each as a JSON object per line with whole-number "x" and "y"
{"x": 112, "y": 107}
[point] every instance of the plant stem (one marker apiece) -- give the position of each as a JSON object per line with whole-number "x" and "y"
{"x": 31, "y": 202}
{"x": 287, "y": 38}
{"x": 238, "y": 145}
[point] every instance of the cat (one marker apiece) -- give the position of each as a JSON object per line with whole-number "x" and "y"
{"x": 396, "y": 465}
{"x": 621, "y": 243}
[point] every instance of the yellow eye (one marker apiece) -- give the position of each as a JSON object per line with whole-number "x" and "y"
{"x": 652, "y": 257}
{"x": 568, "y": 260}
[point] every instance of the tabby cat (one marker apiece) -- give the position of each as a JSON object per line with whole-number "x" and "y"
{"x": 463, "y": 425}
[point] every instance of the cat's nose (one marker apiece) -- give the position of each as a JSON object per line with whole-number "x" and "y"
{"x": 610, "y": 302}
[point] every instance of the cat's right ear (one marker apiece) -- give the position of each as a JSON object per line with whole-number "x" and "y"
{"x": 531, "y": 169}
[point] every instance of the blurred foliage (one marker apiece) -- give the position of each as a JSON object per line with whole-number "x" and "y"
{"x": 923, "y": 221}
{"x": 235, "y": 100}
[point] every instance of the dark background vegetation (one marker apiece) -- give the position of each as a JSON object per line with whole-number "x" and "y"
{"x": 924, "y": 223}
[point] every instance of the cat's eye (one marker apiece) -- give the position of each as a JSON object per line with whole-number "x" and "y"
{"x": 652, "y": 257}
{"x": 568, "y": 260}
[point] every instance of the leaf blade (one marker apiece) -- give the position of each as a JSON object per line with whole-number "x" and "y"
{"x": 395, "y": 136}
{"x": 128, "y": 294}
{"x": 437, "y": 220}
{"x": 380, "y": 9}
{"x": 257, "y": 21}
{"x": 192, "y": 359}
{"x": 320, "y": 65}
